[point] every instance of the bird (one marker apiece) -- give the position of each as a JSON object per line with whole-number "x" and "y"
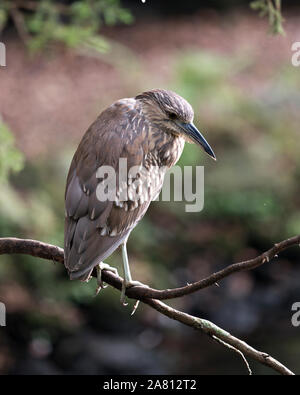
{"x": 147, "y": 131}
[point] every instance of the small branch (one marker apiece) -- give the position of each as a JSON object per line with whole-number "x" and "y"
{"x": 32, "y": 5}
{"x": 216, "y": 277}
{"x": 12, "y": 245}
{"x": 19, "y": 22}
{"x": 50, "y": 252}
{"x": 236, "y": 351}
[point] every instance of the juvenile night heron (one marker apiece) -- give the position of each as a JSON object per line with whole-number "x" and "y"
{"x": 149, "y": 131}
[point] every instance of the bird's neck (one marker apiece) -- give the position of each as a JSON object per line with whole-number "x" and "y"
{"x": 165, "y": 148}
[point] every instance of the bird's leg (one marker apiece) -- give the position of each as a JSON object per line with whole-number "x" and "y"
{"x": 103, "y": 266}
{"x": 128, "y": 282}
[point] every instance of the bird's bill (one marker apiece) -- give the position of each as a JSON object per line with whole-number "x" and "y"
{"x": 194, "y": 134}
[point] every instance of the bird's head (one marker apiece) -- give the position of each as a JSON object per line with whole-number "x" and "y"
{"x": 171, "y": 113}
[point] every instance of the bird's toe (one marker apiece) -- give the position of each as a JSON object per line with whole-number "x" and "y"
{"x": 99, "y": 268}
{"x": 130, "y": 284}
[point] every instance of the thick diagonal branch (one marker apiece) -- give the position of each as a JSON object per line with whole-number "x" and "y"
{"x": 218, "y": 333}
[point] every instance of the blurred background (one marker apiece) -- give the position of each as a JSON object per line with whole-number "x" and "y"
{"x": 65, "y": 64}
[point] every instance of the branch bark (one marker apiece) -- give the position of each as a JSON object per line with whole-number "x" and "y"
{"x": 150, "y": 296}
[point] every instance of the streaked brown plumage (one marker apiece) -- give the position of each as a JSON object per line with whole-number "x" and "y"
{"x": 148, "y": 130}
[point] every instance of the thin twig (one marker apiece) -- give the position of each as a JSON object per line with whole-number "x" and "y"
{"x": 34, "y": 5}
{"x": 236, "y": 351}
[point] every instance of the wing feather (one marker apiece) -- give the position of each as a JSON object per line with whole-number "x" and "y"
{"x": 93, "y": 228}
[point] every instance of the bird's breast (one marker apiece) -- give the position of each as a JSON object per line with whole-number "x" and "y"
{"x": 167, "y": 151}
{"x": 173, "y": 157}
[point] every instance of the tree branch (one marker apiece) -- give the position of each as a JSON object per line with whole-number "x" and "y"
{"x": 19, "y": 22}
{"x": 220, "y": 334}
{"x": 42, "y": 250}
{"x": 54, "y": 253}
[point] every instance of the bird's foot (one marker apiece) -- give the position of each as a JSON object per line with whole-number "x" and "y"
{"x": 129, "y": 284}
{"x": 99, "y": 268}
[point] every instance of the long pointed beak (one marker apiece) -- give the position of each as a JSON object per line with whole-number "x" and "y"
{"x": 194, "y": 134}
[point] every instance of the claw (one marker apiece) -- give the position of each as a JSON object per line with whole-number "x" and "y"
{"x": 127, "y": 285}
{"x": 135, "y": 306}
{"x": 99, "y": 268}
{"x": 123, "y": 296}
{"x": 88, "y": 277}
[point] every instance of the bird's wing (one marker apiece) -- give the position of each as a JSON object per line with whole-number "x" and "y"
{"x": 94, "y": 228}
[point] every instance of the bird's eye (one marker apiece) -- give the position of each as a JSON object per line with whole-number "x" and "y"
{"x": 172, "y": 115}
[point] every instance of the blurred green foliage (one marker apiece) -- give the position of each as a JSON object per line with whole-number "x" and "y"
{"x": 10, "y": 157}
{"x": 31, "y": 206}
{"x": 271, "y": 9}
{"x": 256, "y": 175}
{"x": 77, "y": 23}
{"x": 40, "y": 23}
